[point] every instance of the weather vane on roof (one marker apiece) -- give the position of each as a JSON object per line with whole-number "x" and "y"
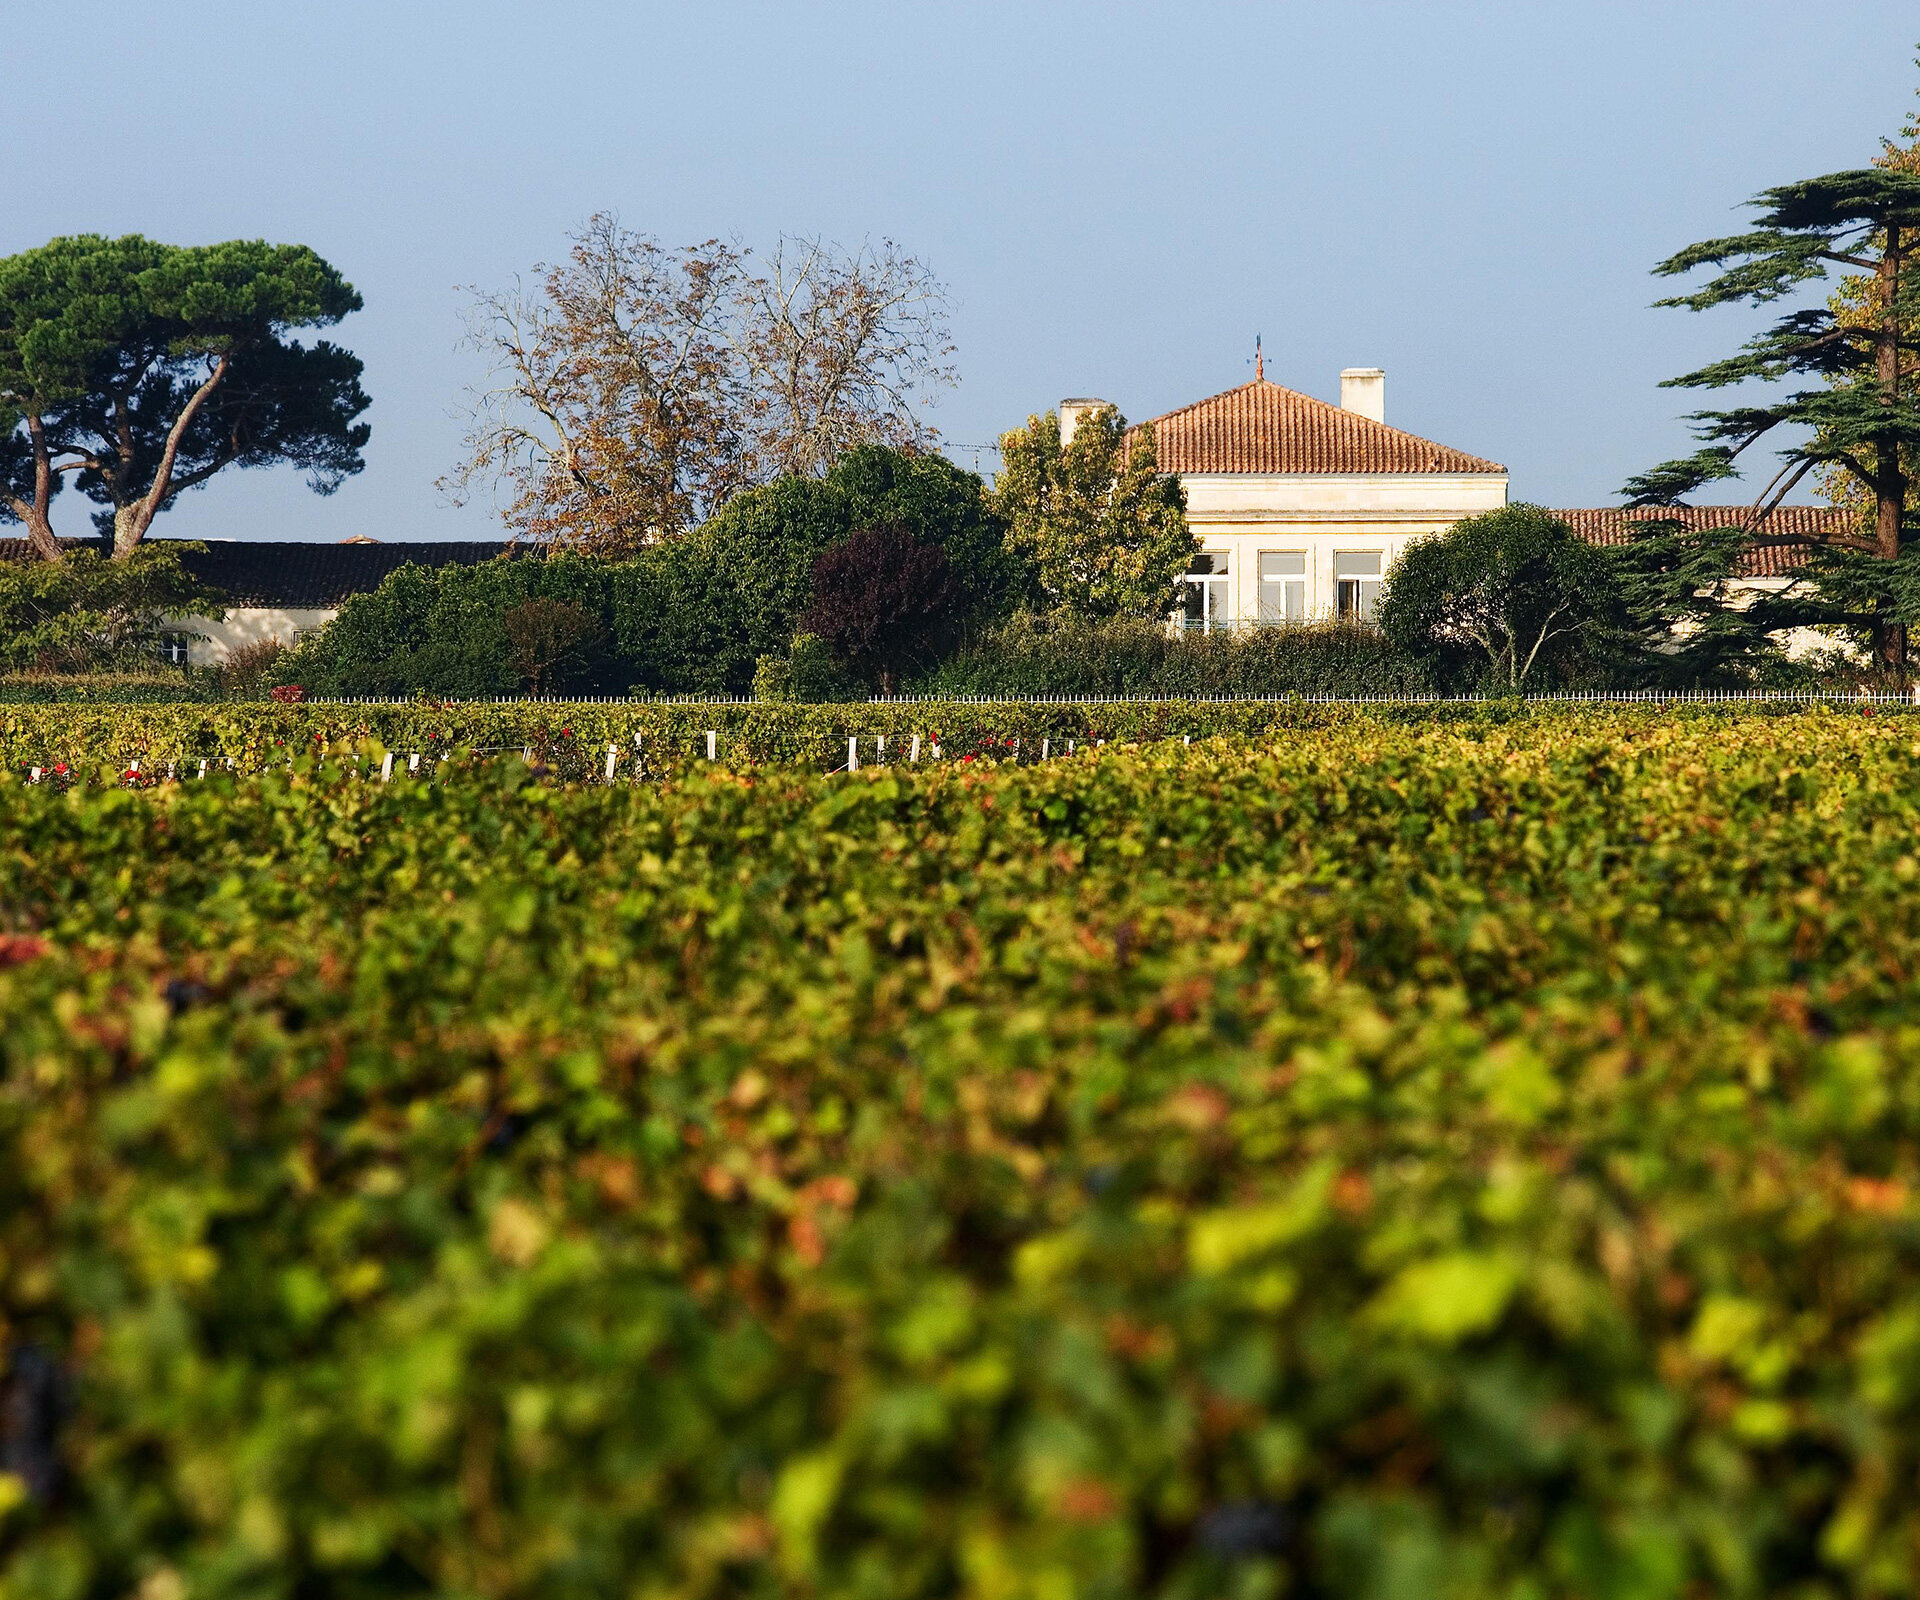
{"x": 1259, "y": 363}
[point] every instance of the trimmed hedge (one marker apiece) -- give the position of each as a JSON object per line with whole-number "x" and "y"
{"x": 111, "y": 688}
{"x": 691, "y": 615}
{"x": 1471, "y": 1159}
{"x": 1063, "y": 655}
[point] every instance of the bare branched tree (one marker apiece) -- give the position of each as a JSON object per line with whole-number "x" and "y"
{"x": 637, "y": 388}
{"x": 614, "y": 412}
{"x": 837, "y": 346}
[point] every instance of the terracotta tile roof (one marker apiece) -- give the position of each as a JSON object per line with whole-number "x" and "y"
{"x": 1261, "y": 427}
{"x": 1612, "y": 525}
{"x": 298, "y": 573}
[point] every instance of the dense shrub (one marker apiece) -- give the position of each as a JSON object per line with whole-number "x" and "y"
{"x": 1062, "y": 654}
{"x": 443, "y": 630}
{"x": 250, "y": 669}
{"x": 548, "y": 640}
{"x": 692, "y": 615}
{"x": 739, "y": 583}
{"x": 88, "y": 614}
{"x": 807, "y": 673}
{"x": 1477, "y": 1159}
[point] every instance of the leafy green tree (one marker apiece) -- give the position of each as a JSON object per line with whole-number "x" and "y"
{"x": 1862, "y": 419}
{"x": 138, "y": 370}
{"x": 1503, "y": 596}
{"x": 87, "y": 614}
{"x": 1103, "y": 532}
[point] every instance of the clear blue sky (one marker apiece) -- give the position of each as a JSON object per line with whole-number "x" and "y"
{"x": 1117, "y": 196}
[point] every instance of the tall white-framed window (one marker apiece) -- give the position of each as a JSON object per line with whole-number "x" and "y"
{"x": 1283, "y": 585}
{"x": 1207, "y": 605}
{"x": 175, "y": 649}
{"x": 1356, "y": 584}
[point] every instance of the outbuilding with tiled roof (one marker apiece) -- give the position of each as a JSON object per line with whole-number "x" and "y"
{"x": 285, "y": 588}
{"x": 1780, "y": 541}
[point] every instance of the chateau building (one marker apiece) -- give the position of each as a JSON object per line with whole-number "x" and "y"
{"x": 1302, "y": 507}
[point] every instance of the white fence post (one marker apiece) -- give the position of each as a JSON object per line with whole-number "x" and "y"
{"x": 1046, "y": 748}
{"x": 613, "y": 755}
{"x": 914, "y": 754}
{"x": 33, "y": 775}
{"x": 713, "y": 744}
{"x": 386, "y": 768}
{"x": 853, "y": 754}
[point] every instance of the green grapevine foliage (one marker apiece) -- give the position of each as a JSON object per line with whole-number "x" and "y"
{"x": 1364, "y": 1156}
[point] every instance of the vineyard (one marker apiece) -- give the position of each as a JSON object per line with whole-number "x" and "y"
{"x": 1362, "y": 1155}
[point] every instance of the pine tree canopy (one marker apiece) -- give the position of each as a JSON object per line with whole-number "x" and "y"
{"x": 137, "y": 370}
{"x": 1867, "y": 221}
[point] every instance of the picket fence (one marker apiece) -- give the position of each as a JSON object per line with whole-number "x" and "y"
{"x": 618, "y": 764}
{"x": 1582, "y": 697}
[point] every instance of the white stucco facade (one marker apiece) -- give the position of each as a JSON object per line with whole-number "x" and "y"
{"x": 245, "y": 625}
{"x": 1321, "y": 517}
{"x": 1301, "y": 507}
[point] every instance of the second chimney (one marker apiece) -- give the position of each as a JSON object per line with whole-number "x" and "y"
{"x": 1363, "y": 391}
{"x": 1073, "y": 412}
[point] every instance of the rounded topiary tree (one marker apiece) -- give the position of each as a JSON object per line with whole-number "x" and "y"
{"x": 1510, "y": 596}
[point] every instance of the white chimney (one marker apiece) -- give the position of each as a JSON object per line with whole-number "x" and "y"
{"x": 1363, "y": 391}
{"x": 1073, "y": 413}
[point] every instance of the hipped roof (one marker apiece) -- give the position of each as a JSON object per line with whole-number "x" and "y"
{"x": 1262, "y": 428}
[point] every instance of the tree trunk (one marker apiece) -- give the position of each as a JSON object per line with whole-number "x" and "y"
{"x": 40, "y": 535}
{"x": 129, "y": 528}
{"x": 34, "y": 514}
{"x": 130, "y": 523}
{"x": 1890, "y": 478}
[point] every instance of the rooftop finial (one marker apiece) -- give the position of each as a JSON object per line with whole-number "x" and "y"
{"x": 1259, "y": 362}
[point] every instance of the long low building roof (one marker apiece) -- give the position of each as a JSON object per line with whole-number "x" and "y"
{"x": 1795, "y": 527}
{"x": 300, "y": 574}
